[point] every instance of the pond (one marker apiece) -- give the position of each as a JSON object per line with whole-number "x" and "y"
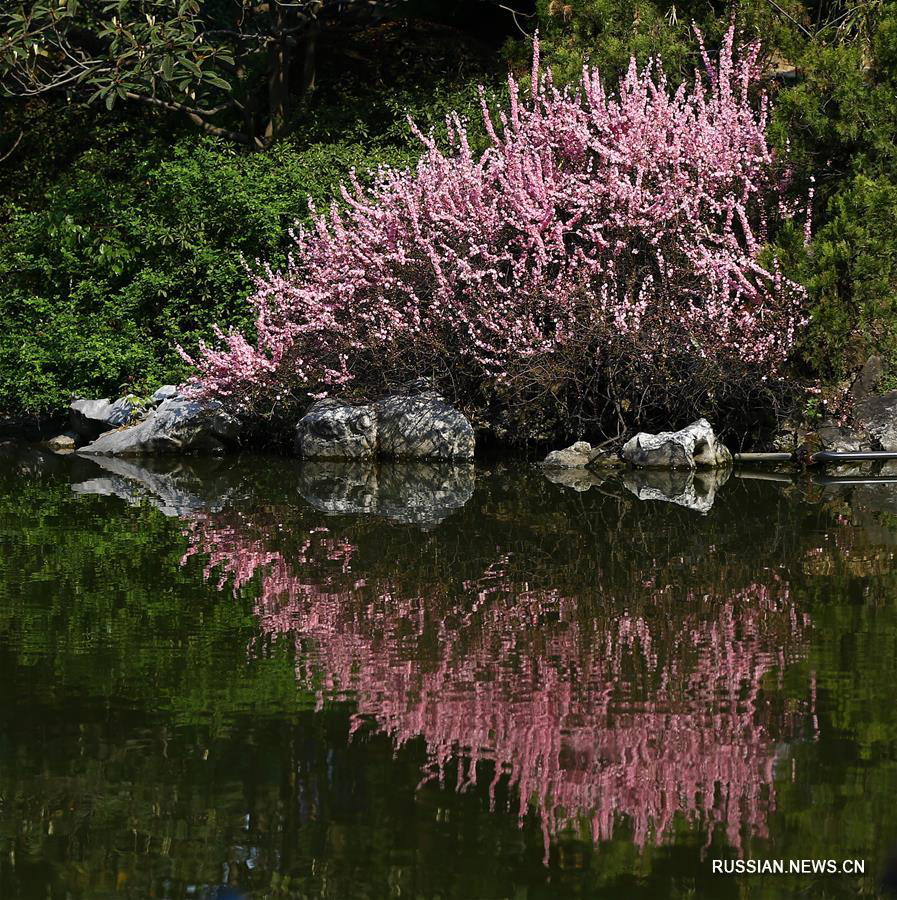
{"x": 251, "y": 678}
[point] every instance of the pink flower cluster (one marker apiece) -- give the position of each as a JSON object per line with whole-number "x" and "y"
{"x": 591, "y": 218}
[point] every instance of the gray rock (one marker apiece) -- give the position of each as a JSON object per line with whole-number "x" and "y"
{"x": 867, "y": 381}
{"x": 581, "y": 455}
{"x": 62, "y": 443}
{"x": 684, "y": 487}
{"x": 166, "y": 392}
{"x": 335, "y": 430}
{"x": 422, "y": 427}
{"x": 421, "y": 494}
{"x": 842, "y": 440}
{"x": 576, "y": 456}
{"x": 90, "y": 418}
{"x": 691, "y": 447}
{"x": 176, "y": 427}
{"x": 877, "y": 415}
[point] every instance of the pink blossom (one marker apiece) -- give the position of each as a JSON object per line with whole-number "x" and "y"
{"x": 592, "y": 218}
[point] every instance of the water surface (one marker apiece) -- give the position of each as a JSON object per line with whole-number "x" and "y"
{"x": 256, "y": 678}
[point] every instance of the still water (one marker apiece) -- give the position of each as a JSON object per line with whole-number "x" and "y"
{"x": 256, "y": 678}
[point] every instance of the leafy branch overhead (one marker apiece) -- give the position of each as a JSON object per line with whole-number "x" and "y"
{"x": 234, "y": 67}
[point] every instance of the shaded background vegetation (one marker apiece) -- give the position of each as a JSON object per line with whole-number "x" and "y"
{"x": 126, "y": 231}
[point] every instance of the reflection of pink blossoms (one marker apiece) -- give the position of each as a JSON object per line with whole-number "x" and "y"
{"x": 592, "y": 217}
{"x": 590, "y": 718}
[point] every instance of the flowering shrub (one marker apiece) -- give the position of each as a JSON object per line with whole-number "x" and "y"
{"x": 603, "y": 256}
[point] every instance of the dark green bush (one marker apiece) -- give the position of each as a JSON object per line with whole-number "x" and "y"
{"x": 125, "y": 234}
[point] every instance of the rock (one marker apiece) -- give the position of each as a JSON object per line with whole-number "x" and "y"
{"x": 421, "y": 494}
{"x": 867, "y": 380}
{"x": 841, "y": 440}
{"x": 424, "y": 426}
{"x": 175, "y": 427}
{"x": 90, "y": 418}
{"x": 576, "y": 456}
{"x": 335, "y": 430}
{"x": 581, "y": 455}
{"x": 877, "y": 415}
{"x": 62, "y": 443}
{"x": 401, "y": 426}
{"x": 693, "y": 446}
{"x": 693, "y": 490}
{"x": 166, "y": 392}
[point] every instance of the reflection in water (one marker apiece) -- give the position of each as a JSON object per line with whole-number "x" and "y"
{"x": 605, "y": 674}
{"x": 590, "y": 711}
{"x": 412, "y": 493}
{"x": 693, "y": 490}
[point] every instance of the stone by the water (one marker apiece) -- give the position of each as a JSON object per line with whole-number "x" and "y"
{"x": 695, "y": 446}
{"x": 581, "y": 455}
{"x": 332, "y": 429}
{"x": 62, "y": 443}
{"x": 90, "y": 418}
{"x": 406, "y": 426}
{"x": 576, "y": 456}
{"x": 175, "y": 427}
{"x": 422, "y": 427}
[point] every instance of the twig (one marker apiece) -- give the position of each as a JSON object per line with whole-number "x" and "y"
{"x": 13, "y": 148}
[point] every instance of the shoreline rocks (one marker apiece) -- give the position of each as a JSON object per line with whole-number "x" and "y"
{"x": 176, "y": 426}
{"x": 401, "y": 426}
{"x": 577, "y": 456}
{"x": 695, "y": 446}
{"x": 91, "y": 418}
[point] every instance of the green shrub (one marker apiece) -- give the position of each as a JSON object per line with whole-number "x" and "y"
{"x": 125, "y": 234}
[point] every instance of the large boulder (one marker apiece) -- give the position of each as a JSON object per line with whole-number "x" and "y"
{"x": 90, "y": 418}
{"x": 335, "y": 430}
{"x": 877, "y": 415}
{"x": 422, "y": 426}
{"x": 690, "y": 448}
{"x": 176, "y": 427}
{"x": 401, "y": 426}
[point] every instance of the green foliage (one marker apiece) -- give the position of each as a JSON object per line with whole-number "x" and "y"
{"x": 127, "y": 235}
{"x": 839, "y": 124}
{"x": 138, "y": 248}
